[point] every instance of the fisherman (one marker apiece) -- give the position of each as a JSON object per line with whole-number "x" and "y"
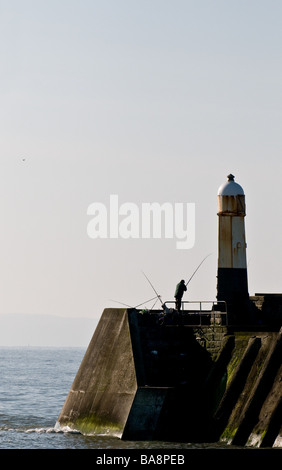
{"x": 179, "y": 291}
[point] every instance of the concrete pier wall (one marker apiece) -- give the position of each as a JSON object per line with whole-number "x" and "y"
{"x": 143, "y": 378}
{"x": 104, "y": 388}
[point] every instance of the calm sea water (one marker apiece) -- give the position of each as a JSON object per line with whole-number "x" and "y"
{"x": 34, "y": 383}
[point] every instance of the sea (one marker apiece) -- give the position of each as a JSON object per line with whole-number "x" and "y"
{"x": 34, "y": 383}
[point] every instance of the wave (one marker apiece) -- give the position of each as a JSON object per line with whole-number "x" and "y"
{"x": 39, "y": 430}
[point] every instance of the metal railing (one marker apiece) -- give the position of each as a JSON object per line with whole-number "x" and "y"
{"x": 216, "y": 313}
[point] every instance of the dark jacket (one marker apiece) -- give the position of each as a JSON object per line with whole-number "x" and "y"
{"x": 180, "y": 289}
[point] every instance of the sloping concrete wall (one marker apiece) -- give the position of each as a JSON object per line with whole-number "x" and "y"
{"x": 104, "y": 388}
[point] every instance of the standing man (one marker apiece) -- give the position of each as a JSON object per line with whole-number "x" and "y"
{"x": 179, "y": 291}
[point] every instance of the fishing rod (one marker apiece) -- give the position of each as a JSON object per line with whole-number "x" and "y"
{"x": 121, "y": 303}
{"x": 159, "y": 297}
{"x": 153, "y": 305}
{"x": 139, "y": 305}
{"x": 136, "y": 306}
{"x": 197, "y": 269}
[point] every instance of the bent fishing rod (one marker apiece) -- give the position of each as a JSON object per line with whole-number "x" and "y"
{"x": 197, "y": 269}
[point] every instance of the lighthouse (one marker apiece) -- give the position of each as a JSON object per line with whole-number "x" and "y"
{"x": 232, "y": 279}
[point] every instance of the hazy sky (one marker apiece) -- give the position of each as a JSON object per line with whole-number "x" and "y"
{"x": 151, "y": 100}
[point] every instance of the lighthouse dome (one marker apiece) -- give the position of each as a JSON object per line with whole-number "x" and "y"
{"x": 230, "y": 188}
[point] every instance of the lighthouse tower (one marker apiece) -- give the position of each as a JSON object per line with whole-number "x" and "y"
{"x": 232, "y": 280}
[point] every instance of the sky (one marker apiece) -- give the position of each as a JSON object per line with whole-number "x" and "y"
{"x": 153, "y": 101}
